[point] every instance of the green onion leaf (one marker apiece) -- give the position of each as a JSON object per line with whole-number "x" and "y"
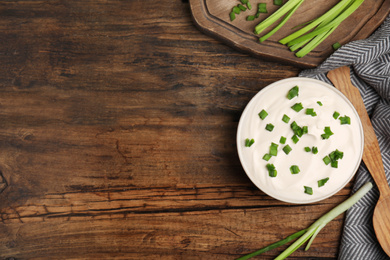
{"x": 336, "y": 155}
{"x": 320, "y": 28}
{"x": 327, "y": 133}
{"x": 249, "y": 5}
{"x": 297, "y": 107}
{"x": 308, "y": 190}
{"x": 295, "y": 139}
{"x": 274, "y": 245}
{"x": 287, "y": 149}
{"x": 289, "y": 8}
{"x": 336, "y": 114}
{"x": 310, "y": 111}
{"x": 278, "y": 2}
{"x": 269, "y": 127}
{"x": 307, "y": 149}
{"x": 243, "y": 8}
{"x": 236, "y": 10}
{"x": 273, "y": 149}
{"x": 282, "y": 140}
{"x": 262, "y": 8}
{"x": 314, "y": 150}
{"x": 249, "y": 142}
{"x": 250, "y": 18}
{"x": 294, "y": 169}
{"x": 319, "y": 103}
{"x": 244, "y": 2}
{"x": 299, "y": 131}
{"x": 336, "y": 45}
{"x": 326, "y": 160}
{"x": 271, "y": 170}
{"x": 316, "y": 227}
{"x": 232, "y": 16}
{"x": 267, "y": 157}
{"x": 322, "y": 182}
{"x": 345, "y": 120}
{"x": 286, "y": 118}
{"x": 263, "y": 114}
{"x": 294, "y": 92}
{"x": 334, "y": 164}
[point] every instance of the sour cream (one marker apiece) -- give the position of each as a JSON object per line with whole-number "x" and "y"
{"x": 347, "y": 138}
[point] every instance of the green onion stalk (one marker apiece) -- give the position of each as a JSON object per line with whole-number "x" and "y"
{"x": 320, "y": 28}
{"x": 311, "y": 232}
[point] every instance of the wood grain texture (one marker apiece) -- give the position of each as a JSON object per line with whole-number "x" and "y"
{"x": 117, "y": 136}
{"x": 212, "y": 17}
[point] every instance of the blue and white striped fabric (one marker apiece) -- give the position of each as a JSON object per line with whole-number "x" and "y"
{"x": 369, "y": 61}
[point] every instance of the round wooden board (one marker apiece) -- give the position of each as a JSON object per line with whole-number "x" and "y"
{"x": 212, "y": 18}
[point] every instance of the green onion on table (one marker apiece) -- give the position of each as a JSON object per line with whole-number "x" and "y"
{"x": 312, "y": 231}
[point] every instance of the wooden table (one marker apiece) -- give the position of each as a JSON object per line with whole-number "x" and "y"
{"x": 117, "y": 134}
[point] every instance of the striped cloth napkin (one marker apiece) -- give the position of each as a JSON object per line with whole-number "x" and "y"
{"x": 369, "y": 61}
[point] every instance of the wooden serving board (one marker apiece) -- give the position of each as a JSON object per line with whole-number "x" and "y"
{"x": 212, "y": 18}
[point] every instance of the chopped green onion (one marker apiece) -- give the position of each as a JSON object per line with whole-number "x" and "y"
{"x": 333, "y": 158}
{"x": 263, "y": 114}
{"x": 286, "y": 118}
{"x": 299, "y": 131}
{"x": 294, "y": 92}
{"x": 295, "y": 139}
{"x": 314, "y": 150}
{"x": 243, "y": 8}
{"x": 244, "y": 2}
{"x": 345, "y": 120}
{"x": 273, "y": 150}
{"x": 327, "y": 133}
{"x": 232, "y": 16}
{"x": 305, "y": 129}
{"x": 326, "y": 160}
{"x": 278, "y": 2}
{"x": 336, "y": 114}
{"x": 269, "y": 127}
{"x": 287, "y": 149}
{"x": 307, "y": 149}
{"x": 249, "y": 142}
{"x": 334, "y": 164}
{"x": 336, "y": 155}
{"x": 249, "y": 5}
{"x": 322, "y": 182}
{"x": 236, "y": 10}
{"x": 262, "y": 8}
{"x": 282, "y": 140}
{"x": 294, "y": 169}
{"x": 271, "y": 170}
{"x": 310, "y": 111}
{"x": 308, "y": 190}
{"x": 336, "y": 45}
{"x": 250, "y": 18}
{"x": 297, "y": 107}
{"x": 267, "y": 157}
{"x": 319, "y": 103}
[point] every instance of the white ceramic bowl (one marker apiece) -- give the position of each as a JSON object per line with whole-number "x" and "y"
{"x": 347, "y": 138}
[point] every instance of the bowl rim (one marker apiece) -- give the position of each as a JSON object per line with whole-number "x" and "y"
{"x": 274, "y": 84}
